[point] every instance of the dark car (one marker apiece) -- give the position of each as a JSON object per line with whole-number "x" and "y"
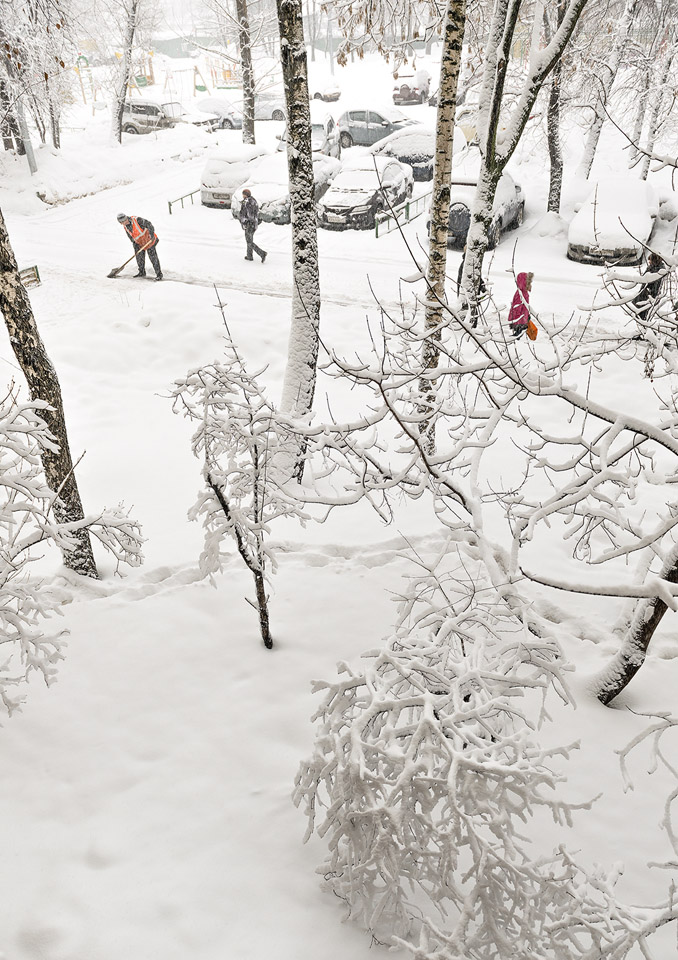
{"x": 365, "y": 187}
{"x": 412, "y": 87}
{"x": 508, "y": 210}
{"x": 365, "y": 127}
{"x": 416, "y": 146}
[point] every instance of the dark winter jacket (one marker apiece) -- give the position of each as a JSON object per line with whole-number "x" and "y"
{"x": 249, "y": 212}
{"x": 140, "y": 232}
{"x": 519, "y": 314}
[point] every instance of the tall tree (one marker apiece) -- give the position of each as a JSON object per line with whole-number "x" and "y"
{"x": 300, "y": 372}
{"x": 129, "y": 11}
{"x": 43, "y": 384}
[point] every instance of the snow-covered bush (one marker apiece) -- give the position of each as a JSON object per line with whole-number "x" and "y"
{"x": 238, "y": 436}
{"x": 426, "y": 777}
{"x": 26, "y": 522}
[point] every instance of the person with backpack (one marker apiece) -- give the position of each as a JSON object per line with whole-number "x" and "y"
{"x": 249, "y": 221}
{"x": 519, "y": 314}
{"x": 144, "y": 240}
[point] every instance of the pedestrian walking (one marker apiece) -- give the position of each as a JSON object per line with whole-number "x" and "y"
{"x": 249, "y": 221}
{"x": 519, "y": 314}
{"x": 646, "y": 298}
{"x": 144, "y": 239}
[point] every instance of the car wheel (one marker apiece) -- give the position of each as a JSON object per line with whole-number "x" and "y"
{"x": 129, "y": 129}
{"x": 226, "y": 124}
{"x": 493, "y": 235}
{"x": 410, "y": 189}
{"x": 422, "y": 98}
{"x": 277, "y": 115}
{"x": 345, "y": 140}
{"x": 317, "y": 96}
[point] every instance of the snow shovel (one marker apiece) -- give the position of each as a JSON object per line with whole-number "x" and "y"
{"x": 116, "y": 270}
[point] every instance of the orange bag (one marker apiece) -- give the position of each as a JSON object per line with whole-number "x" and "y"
{"x": 532, "y": 330}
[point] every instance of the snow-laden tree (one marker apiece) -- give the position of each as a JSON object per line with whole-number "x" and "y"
{"x": 497, "y": 143}
{"x": 239, "y": 434}
{"x": 28, "y": 525}
{"x": 302, "y": 355}
{"x": 127, "y": 13}
{"x": 427, "y": 774}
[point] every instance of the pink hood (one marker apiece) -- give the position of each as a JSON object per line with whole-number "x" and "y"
{"x": 520, "y": 313}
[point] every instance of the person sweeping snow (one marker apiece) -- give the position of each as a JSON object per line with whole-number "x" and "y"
{"x": 519, "y": 314}
{"x": 145, "y": 241}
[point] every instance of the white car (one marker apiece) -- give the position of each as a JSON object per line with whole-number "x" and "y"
{"x": 324, "y": 132}
{"x": 267, "y": 106}
{"x": 365, "y": 187}
{"x": 270, "y": 187}
{"x": 322, "y": 86}
{"x": 614, "y": 223}
{"x": 227, "y": 170}
{"x": 223, "y": 109}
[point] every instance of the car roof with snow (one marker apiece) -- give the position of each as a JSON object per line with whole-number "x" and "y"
{"x": 619, "y": 211}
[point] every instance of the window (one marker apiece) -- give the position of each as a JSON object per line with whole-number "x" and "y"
{"x": 358, "y": 116}
{"x": 376, "y": 118}
{"x": 330, "y": 125}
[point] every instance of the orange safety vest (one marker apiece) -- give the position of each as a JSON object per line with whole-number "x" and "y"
{"x": 140, "y": 235}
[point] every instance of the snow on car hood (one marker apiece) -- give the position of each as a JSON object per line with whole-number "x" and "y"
{"x": 417, "y": 142}
{"x": 618, "y": 213}
{"x": 355, "y": 197}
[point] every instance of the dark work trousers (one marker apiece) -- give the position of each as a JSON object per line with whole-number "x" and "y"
{"x": 249, "y": 229}
{"x": 152, "y": 256}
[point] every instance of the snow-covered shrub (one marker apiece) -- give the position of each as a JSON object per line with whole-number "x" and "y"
{"x": 425, "y": 778}
{"x": 238, "y": 436}
{"x": 26, "y": 522}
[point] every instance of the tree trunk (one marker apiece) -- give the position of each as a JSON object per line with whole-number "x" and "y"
{"x": 43, "y": 384}
{"x": 553, "y": 123}
{"x": 453, "y": 38}
{"x": 641, "y": 109}
{"x": 657, "y": 113}
{"x": 125, "y": 68}
{"x": 302, "y": 356}
{"x": 11, "y": 135}
{"x": 245, "y": 44}
{"x": 633, "y": 651}
{"x": 606, "y": 80}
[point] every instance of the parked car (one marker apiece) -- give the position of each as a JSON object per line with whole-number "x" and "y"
{"x": 324, "y": 132}
{"x": 412, "y": 86}
{"x": 269, "y": 184}
{"x": 365, "y": 127}
{"x": 227, "y": 170}
{"x": 223, "y": 109}
{"x": 322, "y": 87}
{"x": 267, "y": 106}
{"x": 416, "y": 146}
{"x": 366, "y": 186}
{"x": 145, "y": 116}
{"x": 614, "y": 223}
{"x": 508, "y": 210}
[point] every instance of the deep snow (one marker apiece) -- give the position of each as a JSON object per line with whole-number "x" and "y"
{"x": 146, "y": 804}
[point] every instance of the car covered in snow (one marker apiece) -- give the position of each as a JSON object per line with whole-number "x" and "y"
{"x": 228, "y": 117}
{"x": 147, "y": 116}
{"x": 614, "y": 223}
{"x": 508, "y": 210}
{"x": 322, "y": 86}
{"x": 324, "y": 132}
{"x": 365, "y": 127}
{"x": 411, "y": 86}
{"x": 269, "y": 184}
{"x": 365, "y": 187}
{"x": 267, "y": 106}
{"x": 416, "y": 146}
{"x": 227, "y": 170}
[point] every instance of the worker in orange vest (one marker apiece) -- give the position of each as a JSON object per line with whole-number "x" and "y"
{"x": 145, "y": 241}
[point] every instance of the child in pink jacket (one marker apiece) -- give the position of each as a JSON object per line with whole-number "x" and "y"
{"x": 519, "y": 313}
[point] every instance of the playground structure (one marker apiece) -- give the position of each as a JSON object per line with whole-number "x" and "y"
{"x": 185, "y": 80}
{"x": 224, "y": 74}
{"x": 89, "y": 87}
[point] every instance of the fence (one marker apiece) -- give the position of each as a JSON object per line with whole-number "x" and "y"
{"x": 30, "y": 276}
{"x": 388, "y": 222}
{"x": 171, "y": 203}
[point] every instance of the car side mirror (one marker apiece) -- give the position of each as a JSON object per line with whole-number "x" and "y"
{"x": 385, "y": 123}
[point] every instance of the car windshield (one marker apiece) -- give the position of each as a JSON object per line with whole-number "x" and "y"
{"x": 317, "y": 130}
{"x": 356, "y": 180}
{"x": 172, "y": 110}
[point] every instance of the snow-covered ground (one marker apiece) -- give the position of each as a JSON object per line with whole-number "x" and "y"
{"x": 145, "y": 809}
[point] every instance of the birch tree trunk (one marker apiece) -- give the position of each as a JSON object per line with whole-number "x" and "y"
{"x": 245, "y": 44}
{"x": 131, "y": 16}
{"x": 553, "y": 123}
{"x": 43, "y": 384}
{"x": 495, "y": 157}
{"x": 606, "y": 80}
{"x": 302, "y": 355}
{"x": 641, "y": 110}
{"x": 633, "y": 651}
{"x": 657, "y": 112}
{"x": 450, "y": 65}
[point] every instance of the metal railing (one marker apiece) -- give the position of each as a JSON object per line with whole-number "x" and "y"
{"x": 389, "y": 221}
{"x": 171, "y": 203}
{"x": 30, "y": 276}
